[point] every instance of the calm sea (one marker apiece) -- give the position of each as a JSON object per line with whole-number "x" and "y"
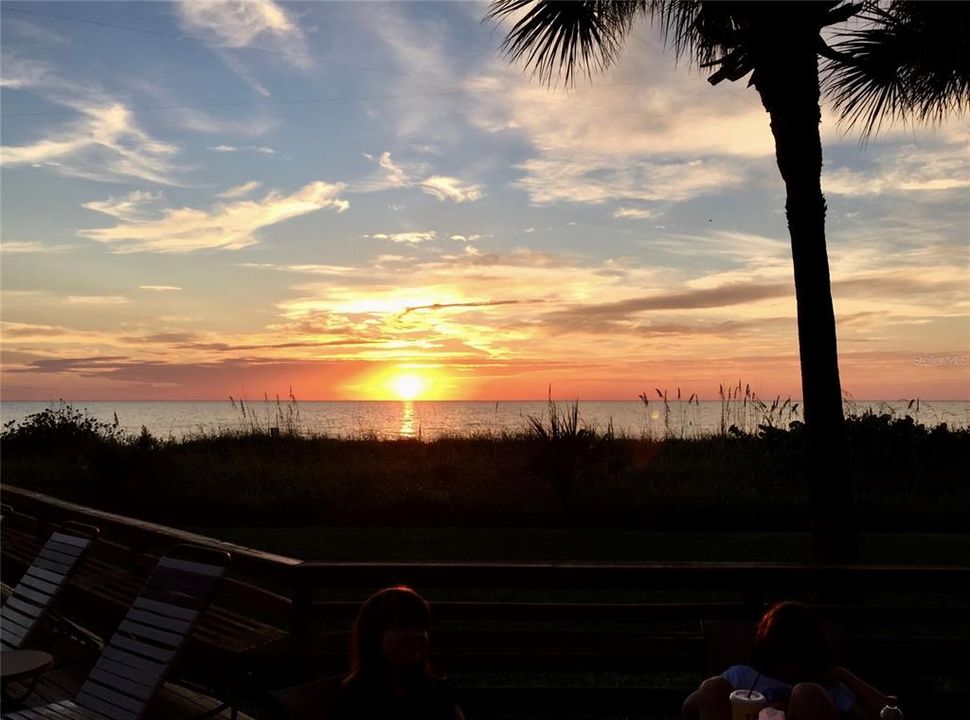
{"x": 433, "y": 419}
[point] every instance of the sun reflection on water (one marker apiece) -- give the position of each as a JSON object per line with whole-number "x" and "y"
{"x": 409, "y": 420}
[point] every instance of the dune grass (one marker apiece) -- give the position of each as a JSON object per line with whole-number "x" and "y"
{"x": 556, "y": 473}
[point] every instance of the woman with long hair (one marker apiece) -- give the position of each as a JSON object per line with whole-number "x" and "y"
{"x": 390, "y": 675}
{"x": 792, "y": 666}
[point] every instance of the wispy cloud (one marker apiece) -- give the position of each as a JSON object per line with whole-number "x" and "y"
{"x": 409, "y": 238}
{"x": 160, "y": 288}
{"x": 646, "y": 132}
{"x": 97, "y": 299}
{"x": 261, "y": 149}
{"x": 20, "y": 72}
{"x": 400, "y": 175}
{"x": 590, "y": 179}
{"x": 239, "y": 24}
{"x": 32, "y": 31}
{"x": 594, "y": 315}
{"x": 134, "y": 206}
{"x": 395, "y": 175}
{"x": 449, "y": 306}
{"x": 105, "y": 144}
{"x": 251, "y": 124}
{"x": 417, "y": 48}
{"x": 450, "y": 188}
{"x": 907, "y": 170}
{"x": 15, "y": 247}
{"x": 240, "y": 190}
{"x": 263, "y": 24}
{"x": 31, "y": 330}
{"x": 631, "y": 213}
{"x": 227, "y": 226}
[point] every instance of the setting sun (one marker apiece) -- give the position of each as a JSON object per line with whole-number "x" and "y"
{"x": 407, "y": 387}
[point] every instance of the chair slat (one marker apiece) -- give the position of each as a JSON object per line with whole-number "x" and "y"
{"x": 140, "y": 648}
{"x": 193, "y": 602}
{"x": 46, "y": 575}
{"x": 179, "y": 583}
{"x": 13, "y": 624}
{"x": 123, "y": 685}
{"x": 69, "y": 539}
{"x": 59, "y": 712}
{"x": 24, "y": 608}
{"x": 130, "y": 672}
{"x": 39, "y": 585}
{"x": 159, "y": 621}
{"x": 12, "y": 616}
{"x": 13, "y": 635}
{"x": 109, "y": 694}
{"x": 141, "y": 664}
{"x": 72, "y": 710}
{"x": 173, "y": 640}
{"x": 31, "y": 714}
{"x": 163, "y": 608}
{"x": 68, "y": 550}
{"x": 47, "y": 712}
{"x": 188, "y": 566}
{"x": 104, "y": 708}
{"x": 24, "y": 592}
{"x": 52, "y": 565}
{"x": 53, "y": 555}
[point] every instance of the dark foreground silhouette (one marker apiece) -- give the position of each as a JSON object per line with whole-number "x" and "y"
{"x": 792, "y": 667}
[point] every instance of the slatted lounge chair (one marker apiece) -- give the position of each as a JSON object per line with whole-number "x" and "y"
{"x": 44, "y": 580}
{"x": 135, "y": 661}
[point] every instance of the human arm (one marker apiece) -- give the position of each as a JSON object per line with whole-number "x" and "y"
{"x": 709, "y": 701}
{"x": 869, "y": 700}
{"x": 690, "y": 710}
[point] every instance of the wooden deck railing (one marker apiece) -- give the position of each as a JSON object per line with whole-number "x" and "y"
{"x": 526, "y": 617}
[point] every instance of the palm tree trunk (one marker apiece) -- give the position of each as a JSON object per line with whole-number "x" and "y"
{"x": 786, "y": 77}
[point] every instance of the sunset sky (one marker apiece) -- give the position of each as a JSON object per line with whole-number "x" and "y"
{"x": 365, "y": 200}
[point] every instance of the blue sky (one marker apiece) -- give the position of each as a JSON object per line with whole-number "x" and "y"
{"x": 203, "y": 198}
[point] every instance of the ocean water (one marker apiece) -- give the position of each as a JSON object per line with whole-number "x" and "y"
{"x": 433, "y": 419}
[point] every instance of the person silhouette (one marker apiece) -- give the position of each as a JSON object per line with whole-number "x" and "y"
{"x": 792, "y": 667}
{"x": 391, "y": 676}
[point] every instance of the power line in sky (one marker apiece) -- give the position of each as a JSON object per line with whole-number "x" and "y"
{"x": 346, "y": 98}
{"x": 457, "y": 91}
{"x": 203, "y": 41}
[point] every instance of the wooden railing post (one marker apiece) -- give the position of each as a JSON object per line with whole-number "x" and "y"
{"x": 301, "y": 596}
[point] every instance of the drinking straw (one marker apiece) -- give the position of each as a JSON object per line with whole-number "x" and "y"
{"x": 751, "y": 689}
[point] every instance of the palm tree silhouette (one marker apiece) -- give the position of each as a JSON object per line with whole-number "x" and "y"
{"x": 886, "y": 68}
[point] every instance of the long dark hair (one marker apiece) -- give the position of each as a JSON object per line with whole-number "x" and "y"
{"x": 393, "y": 607}
{"x": 790, "y": 635}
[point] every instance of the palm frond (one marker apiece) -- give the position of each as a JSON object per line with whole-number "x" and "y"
{"x": 910, "y": 61}
{"x": 702, "y": 31}
{"x": 557, "y": 38}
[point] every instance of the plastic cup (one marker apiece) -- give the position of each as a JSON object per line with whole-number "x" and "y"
{"x": 746, "y": 704}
